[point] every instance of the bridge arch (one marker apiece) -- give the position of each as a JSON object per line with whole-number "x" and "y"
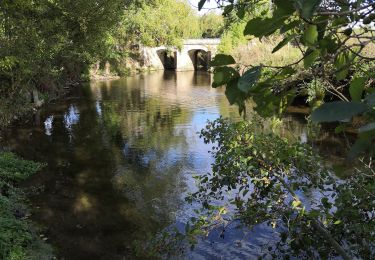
{"x": 168, "y": 58}
{"x": 200, "y": 58}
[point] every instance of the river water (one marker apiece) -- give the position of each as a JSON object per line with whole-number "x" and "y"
{"x": 121, "y": 155}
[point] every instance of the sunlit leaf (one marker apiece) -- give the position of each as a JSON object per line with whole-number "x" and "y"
{"x": 356, "y": 88}
{"x": 341, "y": 65}
{"x": 310, "y": 36}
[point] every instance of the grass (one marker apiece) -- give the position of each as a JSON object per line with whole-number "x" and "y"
{"x": 19, "y": 238}
{"x": 256, "y": 52}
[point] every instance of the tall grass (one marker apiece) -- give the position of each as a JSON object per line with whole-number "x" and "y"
{"x": 257, "y": 52}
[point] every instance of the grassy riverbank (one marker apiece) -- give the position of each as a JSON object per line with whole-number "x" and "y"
{"x": 19, "y": 237}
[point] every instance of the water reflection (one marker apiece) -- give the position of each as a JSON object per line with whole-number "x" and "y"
{"x": 48, "y": 125}
{"x": 134, "y": 153}
{"x": 71, "y": 117}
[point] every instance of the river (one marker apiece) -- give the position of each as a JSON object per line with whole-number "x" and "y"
{"x": 121, "y": 155}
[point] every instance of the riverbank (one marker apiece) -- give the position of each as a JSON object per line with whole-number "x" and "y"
{"x": 19, "y": 237}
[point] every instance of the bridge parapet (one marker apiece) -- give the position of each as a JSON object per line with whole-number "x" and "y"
{"x": 213, "y": 41}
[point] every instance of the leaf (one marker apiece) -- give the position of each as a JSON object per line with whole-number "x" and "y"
{"x": 337, "y": 111}
{"x": 370, "y": 99}
{"x": 241, "y": 13}
{"x": 341, "y": 66}
{"x": 261, "y": 27}
{"x": 328, "y": 44}
{"x": 289, "y": 26}
{"x": 232, "y": 92}
{"x": 201, "y": 4}
{"x": 337, "y": 222}
{"x": 360, "y": 145}
{"x": 310, "y": 36}
{"x": 356, "y": 88}
{"x": 296, "y": 203}
{"x": 223, "y": 75}
{"x": 283, "y": 8}
{"x": 222, "y": 59}
{"x": 249, "y": 79}
{"x": 367, "y": 128}
{"x": 310, "y": 58}
{"x": 282, "y": 43}
{"x": 227, "y": 10}
{"x": 308, "y": 7}
{"x": 286, "y": 72}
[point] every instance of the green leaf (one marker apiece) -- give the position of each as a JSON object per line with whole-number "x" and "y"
{"x": 222, "y": 59}
{"x": 328, "y": 44}
{"x": 289, "y": 26}
{"x": 367, "y": 128}
{"x": 360, "y": 145}
{"x": 261, "y": 27}
{"x": 341, "y": 65}
{"x": 309, "y": 59}
{"x": 286, "y": 72}
{"x": 337, "y": 111}
{"x": 308, "y": 7}
{"x": 343, "y": 21}
{"x": 223, "y": 75}
{"x": 296, "y": 203}
{"x": 201, "y": 4}
{"x": 232, "y": 92}
{"x": 283, "y": 8}
{"x": 282, "y": 43}
{"x": 249, "y": 79}
{"x": 227, "y": 9}
{"x": 356, "y": 88}
{"x": 310, "y": 36}
{"x": 337, "y": 222}
{"x": 241, "y": 13}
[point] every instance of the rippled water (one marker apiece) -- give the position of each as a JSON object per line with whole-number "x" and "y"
{"x": 121, "y": 155}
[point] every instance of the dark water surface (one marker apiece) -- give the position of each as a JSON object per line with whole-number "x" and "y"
{"x": 121, "y": 155}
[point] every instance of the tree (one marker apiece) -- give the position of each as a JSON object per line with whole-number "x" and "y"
{"x": 336, "y": 40}
{"x": 47, "y": 44}
{"x": 211, "y": 25}
{"x": 268, "y": 174}
{"x": 159, "y": 22}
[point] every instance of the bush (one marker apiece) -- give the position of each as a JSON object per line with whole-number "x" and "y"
{"x": 18, "y": 236}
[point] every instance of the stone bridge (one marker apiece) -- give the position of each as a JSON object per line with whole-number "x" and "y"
{"x": 194, "y": 55}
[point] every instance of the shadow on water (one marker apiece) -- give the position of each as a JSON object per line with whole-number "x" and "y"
{"x": 120, "y": 156}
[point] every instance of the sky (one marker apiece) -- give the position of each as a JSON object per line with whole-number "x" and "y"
{"x": 207, "y": 7}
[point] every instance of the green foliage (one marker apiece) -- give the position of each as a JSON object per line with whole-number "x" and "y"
{"x": 335, "y": 42}
{"x": 160, "y": 22}
{"x": 12, "y": 169}
{"x": 48, "y": 44}
{"x": 211, "y": 25}
{"x": 261, "y": 178}
{"x": 18, "y": 239}
{"x": 232, "y": 37}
